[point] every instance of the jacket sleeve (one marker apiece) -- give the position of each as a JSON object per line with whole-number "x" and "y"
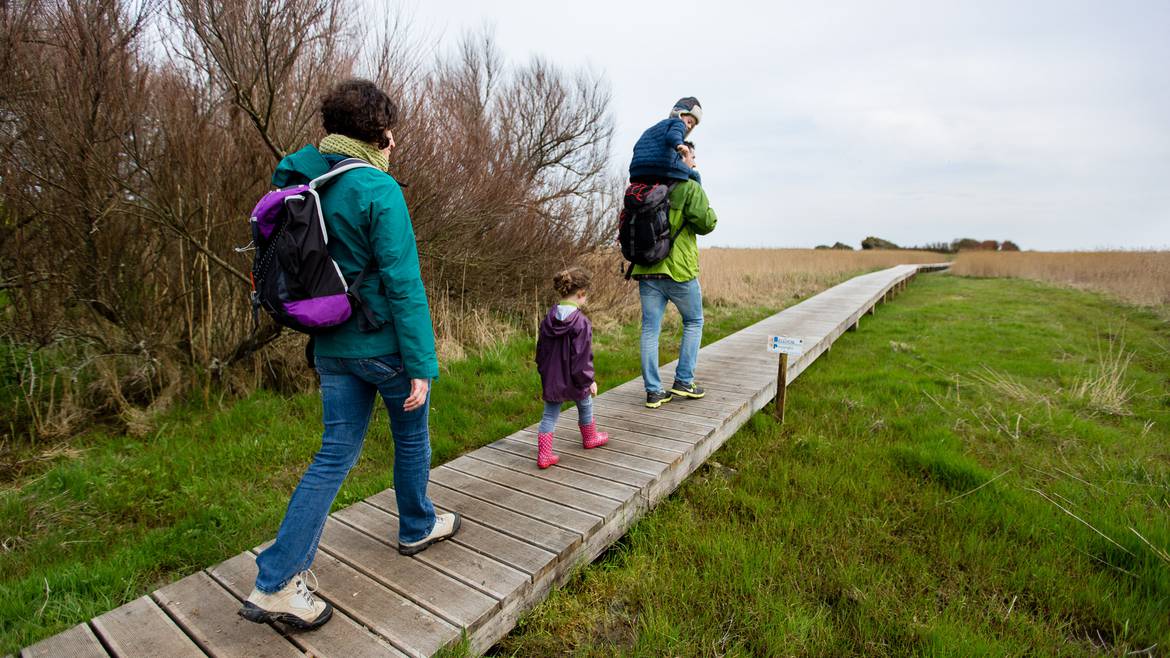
{"x": 394, "y": 248}
{"x": 582, "y": 358}
{"x": 698, "y": 211}
{"x": 676, "y": 132}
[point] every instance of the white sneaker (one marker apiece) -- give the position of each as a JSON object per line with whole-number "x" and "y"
{"x": 446, "y": 525}
{"x": 294, "y": 605}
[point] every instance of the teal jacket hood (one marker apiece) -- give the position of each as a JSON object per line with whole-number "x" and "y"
{"x": 300, "y": 167}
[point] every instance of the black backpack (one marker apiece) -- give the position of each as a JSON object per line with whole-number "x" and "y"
{"x": 644, "y": 224}
{"x": 293, "y": 277}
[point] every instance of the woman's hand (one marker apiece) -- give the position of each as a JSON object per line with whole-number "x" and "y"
{"x": 418, "y": 394}
{"x": 593, "y": 389}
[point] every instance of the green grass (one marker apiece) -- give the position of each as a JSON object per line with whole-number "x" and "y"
{"x": 107, "y": 518}
{"x": 909, "y": 504}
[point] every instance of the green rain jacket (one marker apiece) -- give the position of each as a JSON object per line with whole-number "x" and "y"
{"x": 688, "y": 203}
{"x": 366, "y": 217}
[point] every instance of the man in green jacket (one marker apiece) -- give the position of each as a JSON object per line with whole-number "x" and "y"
{"x": 367, "y": 223}
{"x": 676, "y": 279}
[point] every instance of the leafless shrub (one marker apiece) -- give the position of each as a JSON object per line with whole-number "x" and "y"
{"x": 128, "y": 172}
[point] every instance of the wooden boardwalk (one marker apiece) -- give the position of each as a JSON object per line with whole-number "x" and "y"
{"x": 524, "y": 529}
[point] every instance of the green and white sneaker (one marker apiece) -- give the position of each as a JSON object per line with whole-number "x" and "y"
{"x": 691, "y": 390}
{"x": 654, "y": 399}
{"x": 294, "y": 605}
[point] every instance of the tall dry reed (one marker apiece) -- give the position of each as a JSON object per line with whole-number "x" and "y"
{"x": 745, "y": 277}
{"x": 1139, "y": 277}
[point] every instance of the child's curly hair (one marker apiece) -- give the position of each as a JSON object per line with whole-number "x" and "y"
{"x": 569, "y": 281}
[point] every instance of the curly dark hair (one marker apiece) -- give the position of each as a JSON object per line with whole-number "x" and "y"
{"x": 571, "y": 280}
{"x": 359, "y": 109}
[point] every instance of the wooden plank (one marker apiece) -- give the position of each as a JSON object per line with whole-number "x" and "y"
{"x": 539, "y": 487}
{"x": 626, "y": 441}
{"x": 660, "y": 431}
{"x": 616, "y": 454}
{"x": 439, "y": 593}
{"x": 637, "y": 421}
{"x": 569, "y": 478}
{"x": 77, "y": 642}
{"x": 708, "y": 406}
{"x": 141, "y": 628}
{"x": 555, "y": 539}
{"x": 522, "y": 447}
{"x": 493, "y": 578}
{"x": 632, "y": 406}
{"x": 542, "y": 510}
{"x": 341, "y": 636}
{"x": 517, "y": 553}
{"x": 207, "y": 612}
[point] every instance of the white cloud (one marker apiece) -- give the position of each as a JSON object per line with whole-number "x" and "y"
{"x": 1045, "y": 123}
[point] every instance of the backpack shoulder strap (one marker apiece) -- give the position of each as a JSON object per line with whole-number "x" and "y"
{"x": 336, "y": 170}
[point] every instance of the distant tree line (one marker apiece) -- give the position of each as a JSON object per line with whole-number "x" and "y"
{"x": 952, "y": 247}
{"x": 136, "y": 135}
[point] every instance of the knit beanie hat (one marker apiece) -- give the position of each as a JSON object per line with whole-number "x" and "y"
{"x": 688, "y": 105}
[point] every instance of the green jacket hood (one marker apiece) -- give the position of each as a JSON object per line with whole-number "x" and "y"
{"x": 300, "y": 167}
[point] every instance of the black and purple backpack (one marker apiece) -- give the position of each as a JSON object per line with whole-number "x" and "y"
{"x": 293, "y": 277}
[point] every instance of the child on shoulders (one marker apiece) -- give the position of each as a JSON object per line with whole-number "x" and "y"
{"x": 659, "y": 152}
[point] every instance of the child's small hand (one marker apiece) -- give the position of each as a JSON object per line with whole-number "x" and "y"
{"x": 593, "y": 389}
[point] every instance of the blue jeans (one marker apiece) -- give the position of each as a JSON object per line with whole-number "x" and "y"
{"x": 552, "y": 411}
{"x": 688, "y": 299}
{"x": 348, "y": 387}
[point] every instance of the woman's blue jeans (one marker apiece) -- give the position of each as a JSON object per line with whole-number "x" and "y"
{"x": 687, "y": 297}
{"x": 348, "y": 390}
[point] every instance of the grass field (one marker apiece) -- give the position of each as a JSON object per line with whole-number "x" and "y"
{"x": 983, "y": 469}
{"x": 835, "y": 534}
{"x": 105, "y": 518}
{"x": 1138, "y": 277}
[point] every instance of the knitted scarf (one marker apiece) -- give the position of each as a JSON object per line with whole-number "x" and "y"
{"x": 353, "y": 148}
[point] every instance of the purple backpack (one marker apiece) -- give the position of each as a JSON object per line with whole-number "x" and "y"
{"x": 293, "y": 277}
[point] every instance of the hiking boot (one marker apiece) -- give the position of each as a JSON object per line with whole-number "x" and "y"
{"x": 691, "y": 390}
{"x": 654, "y": 399}
{"x": 590, "y": 437}
{"x": 544, "y": 453}
{"x": 446, "y": 525}
{"x": 294, "y": 605}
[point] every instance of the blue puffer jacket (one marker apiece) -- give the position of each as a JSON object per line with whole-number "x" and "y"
{"x": 655, "y": 154}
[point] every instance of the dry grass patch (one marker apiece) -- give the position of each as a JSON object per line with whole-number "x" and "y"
{"x": 1106, "y": 389}
{"x": 1139, "y": 277}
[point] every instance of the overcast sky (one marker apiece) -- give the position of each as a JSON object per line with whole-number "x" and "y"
{"x": 1047, "y": 123}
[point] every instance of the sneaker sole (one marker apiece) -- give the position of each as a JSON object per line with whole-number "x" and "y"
{"x": 655, "y": 405}
{"x": 687, "y": 394}
{"x": 257, "y": 615}
{"x": 422, "y": 546}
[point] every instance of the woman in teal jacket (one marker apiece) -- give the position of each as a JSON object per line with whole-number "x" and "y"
{"x": 367, "y": 222}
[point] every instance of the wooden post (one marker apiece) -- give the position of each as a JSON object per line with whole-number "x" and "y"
{"x": 781, "y": 388}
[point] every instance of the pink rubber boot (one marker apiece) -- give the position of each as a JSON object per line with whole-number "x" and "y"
{"x": 544, "y": 453}
{"x": 590, "y": 437}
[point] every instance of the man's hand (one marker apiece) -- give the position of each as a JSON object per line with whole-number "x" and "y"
{"x": 418, "y": 394}
{"x": 593, "y": 389}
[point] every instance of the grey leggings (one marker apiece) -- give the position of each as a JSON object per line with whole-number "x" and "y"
{"x": 552, "y": 411}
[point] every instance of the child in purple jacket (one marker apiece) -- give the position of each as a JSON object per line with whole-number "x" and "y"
{"x": 564, "y": 359}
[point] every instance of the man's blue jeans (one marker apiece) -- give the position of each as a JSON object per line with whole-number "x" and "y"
{"x": 348, "y": 389}
{"x": 687, "y": 297}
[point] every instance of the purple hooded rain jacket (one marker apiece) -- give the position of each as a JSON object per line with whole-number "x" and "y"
{"x": 564, "y": 356}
